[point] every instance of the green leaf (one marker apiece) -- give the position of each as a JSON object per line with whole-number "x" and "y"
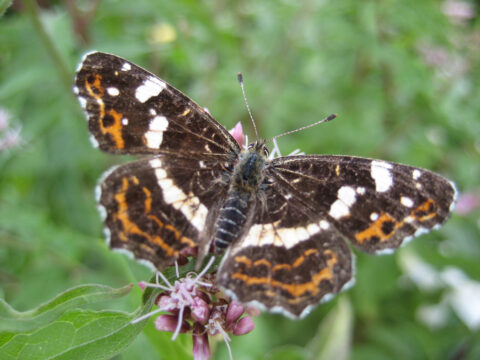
{"x": 334, "y": 336}
{"x": 287, "y": 352}
{"x": 56, "y": 331}
{"x": 77, "y": 334}
{"x": 16, "y": 321}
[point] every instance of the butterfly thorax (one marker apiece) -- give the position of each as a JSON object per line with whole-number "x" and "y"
{"x": 247, "y": 176}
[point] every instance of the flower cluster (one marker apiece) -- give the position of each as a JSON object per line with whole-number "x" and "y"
{"x": 195, "y": 305}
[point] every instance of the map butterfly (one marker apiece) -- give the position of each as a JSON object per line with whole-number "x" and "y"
{"x": 281, "y": 224}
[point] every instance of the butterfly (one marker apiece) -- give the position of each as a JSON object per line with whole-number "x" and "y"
{"x": 279, "y": 224}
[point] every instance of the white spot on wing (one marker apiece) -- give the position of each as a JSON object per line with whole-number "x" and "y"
{"x": 338, "y": 210}
{"x": 406, "y": 201}
{"x": 416, "y": 174}
{"x": 374, "y": 216}
{"x": 159, "y": 123}
{"x": 346, "y": 198}
{"x": 421, "y": 231}
{"x": 270, "y": 234}
{"x": 102, "y": 211}
{"x": 189, "y": 205}
{"x": 80, "y": 66}
{"x": 360, "y": 190}
{"x": 324, "y": 224}
{"x": 108, "y": 235}
{"x": 455, "y": 196}
{"x": 75, "y": 90}
{"x": 347, "y": 195}
{"x": 124, "y": 121}
{"x": 113, "y": 91}
{"x": 154, "y": 136}
{"x": 150, "y": 87}
{"x": 385, "y": 252}
{"x": 156, "y": 163}
{"x": 126, "y": 67}
{"x": 382, "y": 175}
{"x": 82, "y": 101}
{"x": 93, "y": 141}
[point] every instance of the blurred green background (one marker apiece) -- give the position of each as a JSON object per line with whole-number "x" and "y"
{"x": 403, "y": 77}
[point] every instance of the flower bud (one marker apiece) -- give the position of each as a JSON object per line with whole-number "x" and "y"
{"x": 244, "y": 326}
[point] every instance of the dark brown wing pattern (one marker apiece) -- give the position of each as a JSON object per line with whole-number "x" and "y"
{"x": 160, "y": 208}
{"x": 295, "y": 254}
{"x": 131, "y": 111}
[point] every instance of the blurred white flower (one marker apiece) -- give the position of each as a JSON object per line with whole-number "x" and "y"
{"x": 458, "y": 11}
{"x": 462, "y": 294}
{"x": 9, "y": 136}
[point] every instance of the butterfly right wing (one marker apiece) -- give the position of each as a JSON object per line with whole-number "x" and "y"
{"x": 289, "y": 260}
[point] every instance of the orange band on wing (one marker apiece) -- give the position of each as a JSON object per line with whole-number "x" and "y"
{"x": 130, "y": 228}
{"x": 385, "y": 226}
{"x": 295, "y": 290}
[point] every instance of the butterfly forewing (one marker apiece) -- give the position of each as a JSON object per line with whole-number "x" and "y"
{"x": 375, "y": 204}
{"x": 131, "y": 111}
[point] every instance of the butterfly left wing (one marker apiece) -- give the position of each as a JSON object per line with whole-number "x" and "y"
{"x": 159, "y": 209}
{"x": 294, "y": 254}
{"x": 131, "y": 111}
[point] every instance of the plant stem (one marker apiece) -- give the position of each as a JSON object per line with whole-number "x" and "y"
{"x": 4, "y": 5}
{"x": 60, "y": 64}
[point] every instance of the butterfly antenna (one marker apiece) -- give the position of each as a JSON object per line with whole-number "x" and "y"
{"x": 240, "y": 80}
{"x": 328, "y": 118}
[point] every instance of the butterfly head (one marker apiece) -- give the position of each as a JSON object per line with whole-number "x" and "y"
{"x": 248, "y": 173}
{"x": 259, "y": 147}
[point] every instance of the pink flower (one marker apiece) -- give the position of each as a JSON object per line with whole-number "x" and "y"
{"x": 195, "y": 305}
{"x": 201, "y": 348}
{"x": 467, "y": 202}
{"x": 9, "y": 136}
{"x": 237, "y": 133}
{"x": 243, "y": 326}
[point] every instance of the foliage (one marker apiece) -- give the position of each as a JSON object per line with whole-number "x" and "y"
{"x": 402, "y": 76}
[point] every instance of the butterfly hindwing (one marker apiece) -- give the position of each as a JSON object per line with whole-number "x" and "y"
{"x": 160, "y": 208}
{"x": 131, "y": 111}
{"x": 284, "y": 277}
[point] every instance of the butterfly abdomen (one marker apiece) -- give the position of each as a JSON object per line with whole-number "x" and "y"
{"x": 231, "y": 219}
{"x": 246, "y": 177}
